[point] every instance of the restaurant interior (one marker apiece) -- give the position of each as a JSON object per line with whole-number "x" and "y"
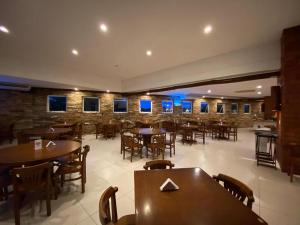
{"x": 150, "y": 112}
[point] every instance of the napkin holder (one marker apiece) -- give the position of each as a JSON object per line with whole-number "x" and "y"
{"x": 38, "y": 144}
{"x": 169, "y": 185}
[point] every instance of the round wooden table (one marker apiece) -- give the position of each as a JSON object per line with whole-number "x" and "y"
{"x": 147, "y": 133}
{"x": 26, "y": 154}
{"x": 64, "y": 125}
{"x": 46, "y": 133}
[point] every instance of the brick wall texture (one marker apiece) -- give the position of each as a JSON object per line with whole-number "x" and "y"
{"x": 29, "y": 109}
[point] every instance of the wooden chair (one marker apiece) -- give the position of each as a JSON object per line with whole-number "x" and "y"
{"x": 131, "y": 144}
{"x": 5, "y": 181}
{"x": 294, "y": 158}
{"x": 157, "y": 145}
{"x": 232, "y": 131}
{"x": 200, "y": 132}
{"x": 109, "y": 131}
{"x": 6, "y": 132}
{"x": 158, "y": 165}
{"x": 99, "y": 129}
{"x": 238, "y": 189}
{"x": 30, "y": 179}
{"x": 108, "y": 214}
{"x": 170, "y": 144}
{"x": 77, "y": 165}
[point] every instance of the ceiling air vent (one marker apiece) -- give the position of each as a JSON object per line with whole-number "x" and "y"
{"x": 245, "y": 91}
{"x": 13, "y": 86}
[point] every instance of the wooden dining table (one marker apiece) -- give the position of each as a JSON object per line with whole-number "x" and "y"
{"x": 188, "y": 133}
{"x": 26, "y": 154}
{"x": 199, "y": 200}
{"x": 147, "y": 133}
{"x": 46, "y": 133}
{"x": 64, "y": 125}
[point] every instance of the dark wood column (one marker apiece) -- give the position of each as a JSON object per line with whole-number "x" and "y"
{"x": 289, "y": 128}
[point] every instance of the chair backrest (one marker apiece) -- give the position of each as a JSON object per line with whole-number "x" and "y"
{"x": 159, "y": 140}
{"x": 31, "y": 177}
{"x": 78, "y": 130}
{"x": 158, "y": 164}
{"x": 238, "y": 189}
{"x": 108, "y": 207}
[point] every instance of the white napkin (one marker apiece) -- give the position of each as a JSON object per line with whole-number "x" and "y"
{"x": 50, "y": 143}
{"x": 169, "y": 185}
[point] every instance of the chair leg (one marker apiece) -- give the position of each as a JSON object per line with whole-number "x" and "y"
{"x": 174, "y": 149}
{"x": 123, "y": 154}
{"x": 48, "y": 202}
{"x": 17, "y": 208}
{"x": 62, "y": 179}
{"x": 82, "y": 185}
{"x": 291, "y": 173}
{"x": 131, "y": 155}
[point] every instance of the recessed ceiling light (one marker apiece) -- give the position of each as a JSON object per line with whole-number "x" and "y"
{"x": 74, "y": 52}
{"x": 222, "y": 97}
{"x": 148, "y": 93}
{"x": 207, "y": 29}
{"x": 107, "y": 91}
{"x": 259, "y": 92}
{"x": 259, "y": 87}
{"x": 203, "y": 96}
{"x": 76, "y": 89}
{"x": 103, "y": 27}
{"x": 4, "y": 29}
{"x": 209, "y": 91}
{"x": 148, "y": 52}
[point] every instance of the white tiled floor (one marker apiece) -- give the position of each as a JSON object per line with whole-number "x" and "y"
{"x": 276, "y": 199}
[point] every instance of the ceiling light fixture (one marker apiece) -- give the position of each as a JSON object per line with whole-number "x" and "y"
{"x": 203, "y": 96}
{"x": 209, "y": 91}
{"x": 148, "y": 93}
{"x": 222, "y": 97}
{"x": 259, "y": 87}
{"x": 74, "y": 51}
{"x": 259, "y": 92}
{"x": 207, "y": 29}
{"x": 76, "y": 89}
{"x": 103, "y": 27}
{"x": 107, "y": 91}
{"x": 4, "y": 29}
{"x": 148, "y": 52}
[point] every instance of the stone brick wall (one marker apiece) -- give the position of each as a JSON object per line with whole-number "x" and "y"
{"x": 29, "y": 109}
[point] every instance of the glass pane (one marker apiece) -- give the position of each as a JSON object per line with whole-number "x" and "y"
{"x": 120, "y": 105}
{"x": 220, "y": 108}
{"x": 57, "y": 103}
{"x": 91, "y": 104}
{"x": 187, "y": 107}
{"x": 246, "y": 108}
{"x": 145, "y": 105}
{"x": 204, "y": 107}
{"x": 234, "y": 108}
{"x": 167, "y": 106}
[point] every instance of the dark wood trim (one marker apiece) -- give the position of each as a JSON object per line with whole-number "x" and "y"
{"x": 210, "y": 82}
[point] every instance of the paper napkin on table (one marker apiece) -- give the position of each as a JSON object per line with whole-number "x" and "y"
{"x": 169, "y": 185}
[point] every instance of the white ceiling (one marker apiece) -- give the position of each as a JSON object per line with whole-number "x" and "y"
{"x": 245, "y": 89}
{"x": 43, "y": 32}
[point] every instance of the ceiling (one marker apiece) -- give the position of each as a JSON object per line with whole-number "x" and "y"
{"x": 245, "y": 89}
{"x": 43, "y": 33}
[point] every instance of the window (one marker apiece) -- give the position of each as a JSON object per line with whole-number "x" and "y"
{"x": 145, "y": 106}
{"x": 187, "y": 107}
{"x": 167, "y": 106}
{"x": 91, "y": 104}
{"x": 247, "y": 108}
{"x": 120, "y": 105}
{"x": 57, "y": 103}
{"x": 234, "y": 108}
{"x": 203, "y": 107}
{"x": 220, "y": 108}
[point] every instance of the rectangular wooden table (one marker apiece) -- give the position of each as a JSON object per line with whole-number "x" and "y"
{"x": 199, "y": 201}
